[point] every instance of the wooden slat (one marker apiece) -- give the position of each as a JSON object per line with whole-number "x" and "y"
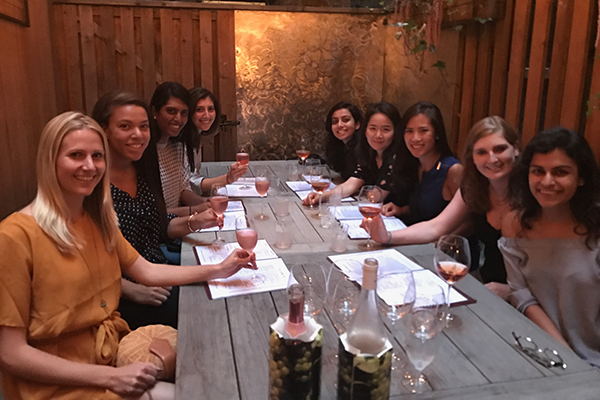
{"x": 88, "y": 57}
{"x": 166, "y": 42}
{"x": 583, "y": 16}
{"x": 516, "y": 71}
{"x": 73, "y": 70}
{"x": 560, "y": 56}
{"x": 537, "y": 68}
{"x": 206, "y": 50}
{"x": 468, "y": 85}
{"x": 592, "y": 127}
{"x": 147, "y": 55}
{"x": 454, "y": 137}
{"x": 483, "y": 72}
{"x": 128, "y": 48}
{"x": 502, "y": 40}
{"x": 227, "y": 87}
{"x": 61, "y": 85}
{"x": 108, "y": 49}
{"x": 187, "y": 52}
{"x": 176, "y": 44}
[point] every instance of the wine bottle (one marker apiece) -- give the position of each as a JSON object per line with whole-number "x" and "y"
{"x": 365, "y": 331}
{"x": 295, "y": 325}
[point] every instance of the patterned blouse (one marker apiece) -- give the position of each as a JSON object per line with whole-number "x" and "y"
{"x": 139, "y": 220}
{"x": 174, "y": 172}
{"x": 372, "y": 175}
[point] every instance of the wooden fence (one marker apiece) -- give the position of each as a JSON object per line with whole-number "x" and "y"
{"x": 109, "y": 47}
{"x": 536, "y": 67}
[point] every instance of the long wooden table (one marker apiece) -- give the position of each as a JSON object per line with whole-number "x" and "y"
{"x": 223, "y": 344}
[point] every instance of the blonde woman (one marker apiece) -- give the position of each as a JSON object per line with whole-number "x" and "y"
{"x": 63, "y": 256}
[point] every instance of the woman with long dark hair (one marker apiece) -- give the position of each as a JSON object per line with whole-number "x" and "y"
{"x": 428, "y": 171}
{"x": 205, "y": 116}
{"x": 551, "y": 240}
{"x": 342, "y": 124}
{"x": 376, "y": 156}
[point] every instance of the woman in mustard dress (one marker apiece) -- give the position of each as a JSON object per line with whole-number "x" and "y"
{"x": 60, "y": 278}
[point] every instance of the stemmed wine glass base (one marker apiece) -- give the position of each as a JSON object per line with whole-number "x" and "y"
{"x": 367, "y": 246}
{"x": 257, "y": 279}
{"x": 261, "y": 217}
{"x": 417, "y": 384}
{"x": 452, "y": 321}
{"x": 219, "y": 242}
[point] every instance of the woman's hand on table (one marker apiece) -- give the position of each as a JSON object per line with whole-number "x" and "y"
{"x": 235, "y": 261}
{"x": 376, "y": 228}
{"x": 501, "y": 290}
{"x": 132, "y": 380}
{"x": 391, "y": 210}
{"x": 312, "y": 198}
{"x": 236, "y": 171}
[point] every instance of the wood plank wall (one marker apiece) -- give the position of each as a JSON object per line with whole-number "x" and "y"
{"x": 103, "y": 48}
{"x": 535, "y": 67}
{"x": 27, "y": 102}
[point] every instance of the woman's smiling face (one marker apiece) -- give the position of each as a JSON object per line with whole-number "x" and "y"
{"x": 379, "y": 132}
{"x": 172, "y": 117}
{"x": 553, "y": 178}
{"x": 494, "y": 156}
{"x": 343, "y": 124}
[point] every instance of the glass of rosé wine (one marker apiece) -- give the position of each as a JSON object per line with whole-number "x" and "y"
{"x": 218, "y": 202}
{"x": 247, "y": 237}
{"x": 303, "y": 151}
{"x": 262, "y": 183}
{"x": 243, "y": 157}
{"x": 370, "y": 201}
{"x": 452, "y": 260}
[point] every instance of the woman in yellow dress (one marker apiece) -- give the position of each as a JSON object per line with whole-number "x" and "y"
{"x": 60, "y": 278}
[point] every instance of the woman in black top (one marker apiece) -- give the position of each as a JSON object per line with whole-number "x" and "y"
{"x": 342, "y": 123}
{"x": 377, "y": 144}
{"x": 137, "y": 198}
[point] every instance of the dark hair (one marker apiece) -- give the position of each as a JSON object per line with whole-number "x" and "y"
{"x": 408, "y": 165}
{"x": 161, "y": 96}
{"x": 197, "y": 94}
{"x": 147, "y": 166}
{"x": 366, "y": 155}
{"x": 335, "y": 149}
{"x": 585, "y": 203}
{"x": 474, "y": 187}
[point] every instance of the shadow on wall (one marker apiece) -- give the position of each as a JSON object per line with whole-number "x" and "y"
{"x": 292, "y": 67}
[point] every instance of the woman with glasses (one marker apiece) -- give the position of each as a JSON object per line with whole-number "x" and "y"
{"x": 551, "y": 240}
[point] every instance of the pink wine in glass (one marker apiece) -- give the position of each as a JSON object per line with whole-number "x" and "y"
{"x": 452, "y": 271}
{"x": 320, "y": 185}
{"x": 302, "y": 154}
{"x": 242, "y": 158}
{"x": 369, "y": 211}
{"x": 262, "y": 187}
{"x": 218, "y": 204}
{"x": 246, "y": 238}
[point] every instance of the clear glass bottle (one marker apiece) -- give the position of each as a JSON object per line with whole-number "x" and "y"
{"x": 366, "y": 331}
{"x": 295, "y": 325}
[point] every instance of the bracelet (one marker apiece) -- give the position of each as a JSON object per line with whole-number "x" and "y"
{"x": 190, "y": 223}
{"x": 389, "y": 239}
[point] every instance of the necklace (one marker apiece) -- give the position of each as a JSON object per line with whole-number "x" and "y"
{"x": 96, "y": 281}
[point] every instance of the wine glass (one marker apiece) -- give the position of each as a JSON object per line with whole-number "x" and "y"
{"x": 342, "y": 300}
{"x": 397, "y": 290}
{"x": 370, "y": 201}
{"x": 452, "y": 259}
{"x": 218, "y": 202}
{"x": 321, "y": 183}
{"x": 247, "y": 237}
{"x": 422, "y": 325}
{"x": 261, "y": 182}
{"x": 243, "y": 157}
{"x": 303, "y": 151}
{"x": 312, "y": 172}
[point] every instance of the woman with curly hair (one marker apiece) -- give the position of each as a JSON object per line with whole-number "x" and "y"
{"x": 551, "y": 240}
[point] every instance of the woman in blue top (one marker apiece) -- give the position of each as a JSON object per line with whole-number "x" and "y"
{"x": 428, "y": 174}
{"x": 551, "y": 240}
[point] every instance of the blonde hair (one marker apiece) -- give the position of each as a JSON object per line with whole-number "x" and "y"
{"x": 474, "y": 186}
{"x": 49, "y": 207}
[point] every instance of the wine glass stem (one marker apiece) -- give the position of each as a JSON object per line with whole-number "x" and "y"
{"x": 448, "y": 315}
